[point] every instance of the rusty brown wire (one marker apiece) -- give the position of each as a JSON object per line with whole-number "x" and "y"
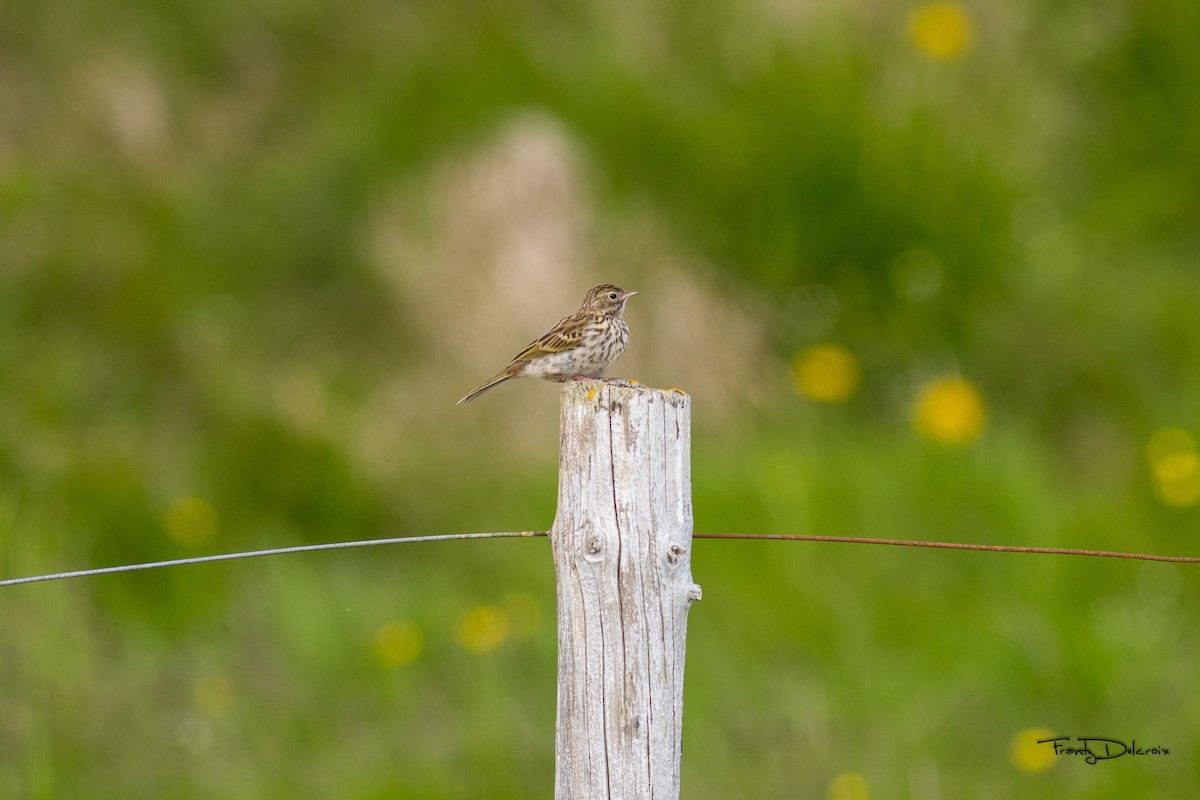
{"x": 991, "y": 548}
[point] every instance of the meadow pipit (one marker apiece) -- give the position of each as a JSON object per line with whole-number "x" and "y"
{"x": 583, "y": 345}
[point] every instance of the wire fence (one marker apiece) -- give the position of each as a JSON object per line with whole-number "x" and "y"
{"x": 451, "y": 537}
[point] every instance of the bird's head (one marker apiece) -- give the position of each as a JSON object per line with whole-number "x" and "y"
{"x": 606, "y": 298}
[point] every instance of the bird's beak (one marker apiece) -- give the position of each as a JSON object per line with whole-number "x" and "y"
{"x": 628, "y": 295}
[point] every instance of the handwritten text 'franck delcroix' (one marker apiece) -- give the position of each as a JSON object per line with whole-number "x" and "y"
{"x": 1100, "y": 748}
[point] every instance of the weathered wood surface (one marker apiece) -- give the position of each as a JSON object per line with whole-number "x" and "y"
{"x": 622, "y": 543}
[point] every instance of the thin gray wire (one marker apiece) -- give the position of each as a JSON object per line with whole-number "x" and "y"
{"x": 276, "y": 551}
{"x": 448, "y": 537}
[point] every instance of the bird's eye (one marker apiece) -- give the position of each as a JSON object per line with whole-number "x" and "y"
{"x": 612, "y": 295}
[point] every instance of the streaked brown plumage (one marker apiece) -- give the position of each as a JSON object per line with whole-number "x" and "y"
{"x": 583, "y": 345}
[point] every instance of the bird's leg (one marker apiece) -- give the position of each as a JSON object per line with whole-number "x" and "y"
{"x": 611, "y": 381}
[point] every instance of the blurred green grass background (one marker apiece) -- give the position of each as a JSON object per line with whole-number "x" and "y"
{"x": 928, "y": 271}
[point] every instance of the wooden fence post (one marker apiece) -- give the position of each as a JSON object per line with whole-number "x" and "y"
{"x": 622, "y": 555}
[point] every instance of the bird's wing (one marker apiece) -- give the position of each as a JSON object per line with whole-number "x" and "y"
{"x": 564, "y": 336}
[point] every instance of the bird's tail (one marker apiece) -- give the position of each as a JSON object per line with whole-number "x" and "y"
{"x": 495, "y": 381}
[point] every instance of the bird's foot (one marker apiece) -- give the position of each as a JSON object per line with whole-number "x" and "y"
{"x": 627, "y": 383}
